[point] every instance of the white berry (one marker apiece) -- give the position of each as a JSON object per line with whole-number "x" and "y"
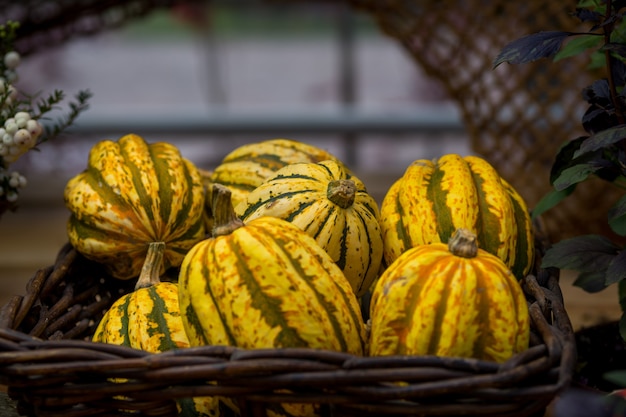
{"x": 14, "y": 182}
{"x": 22, "y": 115}
{"x": 11, "y": 197}
{"x": 12, "y": 60}
{"x": 11, "y": 126}
{"x": 23, "y": 138}
{"x": 34, "y": 127}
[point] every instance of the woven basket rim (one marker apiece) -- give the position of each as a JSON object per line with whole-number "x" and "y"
{"x": 50, "y": 376}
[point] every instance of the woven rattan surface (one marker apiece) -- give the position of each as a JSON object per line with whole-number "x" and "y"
{"x": 52, "y": 369}
{"x": 516, "y": 116}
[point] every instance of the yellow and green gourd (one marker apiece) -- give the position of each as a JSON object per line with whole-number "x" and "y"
{"x": 131, "y": 194}
{"x": 149, "y": 319}
{"x": 434, "y": 198}
{"x": 246, "y": 167}
{"x": 333, "y": 207}
{"x": 266, "y": 284}
{"x": 452, "y": 300}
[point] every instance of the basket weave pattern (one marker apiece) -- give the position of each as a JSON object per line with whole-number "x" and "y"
{"x": 53, "y": 369}
{"x": 517, "y": 117}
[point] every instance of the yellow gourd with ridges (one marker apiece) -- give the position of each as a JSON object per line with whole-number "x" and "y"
{"x": 246, "y": 167}
{"x": 266, "y": 284}
{"x": 133, "y": 193}
{"x": 434, "y": 198}
{"x": 149, "y": 319}
{"x": 333, "y": 207}
{"x": 449, "y": 300}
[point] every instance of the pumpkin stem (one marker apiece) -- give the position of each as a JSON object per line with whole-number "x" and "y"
{"x": 341, "y": 192}
{"x": 225, "y": 220}
{"x": 463, "y": 243}
{"x": 151, "y": 270}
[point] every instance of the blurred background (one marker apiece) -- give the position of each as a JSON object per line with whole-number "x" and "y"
{"x": 209, "y": 77}
{"x": 214, "y": 75}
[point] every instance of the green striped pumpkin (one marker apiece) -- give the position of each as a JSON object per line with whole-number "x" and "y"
{"x": 333, "y": 207}
{"x": 266, "y": 284}
{"x": 434, "y": 198}
{"x": 133, "y": 193}
{"x": 452, "y": 300}
{"x": 246, "y": 167}
{"x": 149, "y": 319}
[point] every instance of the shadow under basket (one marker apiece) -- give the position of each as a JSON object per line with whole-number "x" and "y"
{"x": 51, "y": 368}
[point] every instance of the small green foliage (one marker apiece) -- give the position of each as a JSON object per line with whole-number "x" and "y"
{"x": 601, "y": 153}
{"x": 77, "y": 106}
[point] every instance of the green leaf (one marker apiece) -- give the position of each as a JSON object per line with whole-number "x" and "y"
{"x": 586, "y": 253}
{"x": 622, "y": 326}
{"x": 550, "y": 200}
{"x": 621, "y": 287}
{"x": 573, "y": 175}
{"x": 602, "y": 139}
{"x": 617, "y": 377}
{"x": 616, "y": 272}
{"x": 617, "y": 216}
{"x": 591, "y": 282}
{"x": 578, "y": 45}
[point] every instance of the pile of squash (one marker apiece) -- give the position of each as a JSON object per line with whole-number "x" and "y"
{"x": 281, "y": 244}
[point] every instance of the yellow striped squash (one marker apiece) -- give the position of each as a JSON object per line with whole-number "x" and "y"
{"x": 333, "y": 207}
{"x": 449, "y": 300}
{"x": 133, "y": 193}
{"x": 246, "y": 167}
{"x": 266, "y": 284}
{"x": 149, "y": 319}
{"x": 433, "y": 198}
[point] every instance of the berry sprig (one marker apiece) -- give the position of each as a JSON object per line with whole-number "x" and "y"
{"x": 21, "y": 129}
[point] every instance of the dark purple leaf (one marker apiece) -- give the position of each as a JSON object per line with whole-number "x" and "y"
{"x": 618, "y": 69}
{"x": 532, "y": 47}
{"x": 587, "y": 16}
{"x": 616, "y": 271}
{"x": 598, "y": 92}
{"x": 597, "y": 119}
{"x": 586, "y": 253}
{"x": 602, "y": 139}
{"x": 591, "y": 282}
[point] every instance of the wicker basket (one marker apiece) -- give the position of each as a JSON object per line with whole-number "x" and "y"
{"x": 517, "y": 117}
{"x": 52, "y": 369}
